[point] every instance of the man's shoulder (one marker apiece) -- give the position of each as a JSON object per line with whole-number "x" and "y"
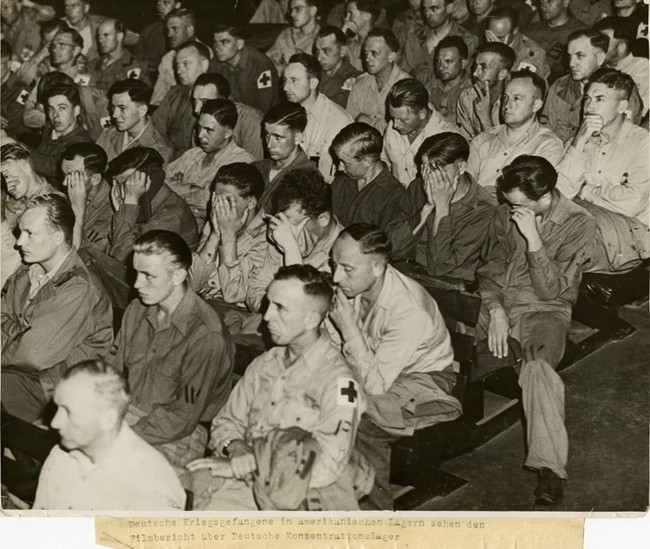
{"x": 248, "y": 112}
{"x": 333, "y": 112}
{"x": 257, "y": 60}
{"x": 405, "y": 296}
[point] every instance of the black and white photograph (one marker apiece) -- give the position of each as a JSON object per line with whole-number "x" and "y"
{"x": 324, "y": 256}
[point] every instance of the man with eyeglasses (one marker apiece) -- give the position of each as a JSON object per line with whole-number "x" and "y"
{"x": 299, "y": 37}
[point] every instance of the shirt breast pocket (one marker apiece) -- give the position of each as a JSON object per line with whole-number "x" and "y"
{"x": 301, "y": 412}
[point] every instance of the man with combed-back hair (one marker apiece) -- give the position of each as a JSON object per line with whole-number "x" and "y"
{"x": 251, "y": 74}
{"x": 174, "y": 350}
{"x": 131, "y": 125}
{"x": 100, "y": 463}
{"x": 393, "y": 336}
{"x": 364, "y": 190}
{"x": 536, "y": 248}
{"x": 191, "y": 175}
{"x": 367, "y": 101}
{"x": 412, "y": 120}
{"x": 54, "y": 312}
{"x": 449, "y": 215}
{"x": 304, "y": 391}
{"x": 606, "y": 168}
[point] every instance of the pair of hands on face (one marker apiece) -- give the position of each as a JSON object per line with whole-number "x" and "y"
{"x": 77, "y": 194}
{"x": 130, "y": 192}
{"x": 438, "y": 187}
{"x": 281, "y": 231}
{"x": 224, "y": 219}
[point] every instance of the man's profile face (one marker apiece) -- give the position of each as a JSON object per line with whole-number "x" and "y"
{"x": 488, "y": 68}
{"x": 296, "y": 83}
{"x": 189, "y": 66}
{"x": 37, "y": 241}
{"x": 287, "y": 312}
{"x": 352, "y": 270}
{"x": 376, "y": 54}
{"x": 328, "y": 52}
{"x": 435, "y": 13}
{"x": 211, "y": 136}
{"x": 449, "y": 64}
{"x": 584, "y": 59}
{"x": 281, "y": 141}
{"x": 78, "y": 413}
{"x": 225, "y": 46}
{"x": 201, "y": 94}
{"x": 125, "y": 112}
{"x": 17, "y": 174}
{"x": 155, "y": 277}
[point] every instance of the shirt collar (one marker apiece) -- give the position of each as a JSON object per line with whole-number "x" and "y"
{"x": 559, "y": 208}
{"x": 36, "y": 272}
{"x": 309, "y": 360}
{"x": 181, "y": 316}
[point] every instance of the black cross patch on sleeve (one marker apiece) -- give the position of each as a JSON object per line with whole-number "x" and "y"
{"x": 264, "y": 80}
{"x": 348, "y": 392}
{"x": 22, "y": 97}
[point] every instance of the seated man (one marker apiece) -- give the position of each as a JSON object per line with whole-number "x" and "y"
{"x": 338, "y": 74}
{"x": 395, "y": 339}
{"x": 479, "y": 105}
{"x": 251, "y": 74}
{"x": 299, "y": 37}
{"x": 83, "y": 166}
{"x": 534, "y": 254}
{"x": 606, "y": 167}
{"x": 233, "y": 244}
{"x": 129, "y": 106}
{"x": 367, "y": 101}
{"x": 502, "y": 25}
{"x": 619, "y": 55}
{"x": 115, "y": 62}
{"x": 303, "y": 386}
{"x": 556, "y": 23}
{"x": 412, "y": 120}
{"x": 174, "y": 350}
{"x": 190, "y": 175}
{"x": 364, "y": 191}
{"x": 450, "y": 78}
{"x": 519, "y": 134}
{"x": 20, "y": 26}
{"x": 302, "y": 230}
{"x": 284, "y": 126}
{"x": 142, "y": 201}
{"x": 54, "y": 312}
{"x": 21, "y": 181}
{"x": 409, "y": 22}
{"x": 248, "y": 130}
{"x": 450, "y": 212}
{"x": 63, "y": 128}
{"x": 152, "y": 44}
{"x": 360, "y": 18}
{"x": 417, "y": 52}
{"x": 325, "y": 119}
{"x": 100, "y": 463}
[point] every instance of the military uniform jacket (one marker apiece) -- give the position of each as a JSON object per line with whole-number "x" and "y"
{"x": 338, "y": 85}
{"x": 125, "y": 67}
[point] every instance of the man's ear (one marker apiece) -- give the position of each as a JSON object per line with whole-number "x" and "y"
{"x": 77, "y": 111}
{"x": 537, "y": 105}
{"x": 239, "y": 43}
{"x": 392, "y": 56}
{"x": 108, "y": 419}
{"x": 143, "y": 110}
{"x": 313, "y": 83}
{"x": 179, "y": 276}
{"x": 344, "y": 51}
{"x": 59, "y": 237}
{"x": 86, "y": 8}
{"x": 324, "y": 219}
{"x": 623, "y": 106}
{"x": 205, "y": 65}
{"x": 462, "y": 166}
{"x": 228, "y": 133}
{"x": 600, "y": 58}
{"x": 299, "y": 138}
{"x": 95, "y": 179}
{"x": 312, "y": 320}
{"x": 503, "y": 74}
{"x": 378, "y": 268}
{"x": 463, "y": 63}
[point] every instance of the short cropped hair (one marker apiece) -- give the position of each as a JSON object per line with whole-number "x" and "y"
{"x": 388, "y": 35}
{"x": 619, "y": 26}
{"x": 613, "y": 79}
{"x": 371, "y": 239}
{"x": 76, "y": 38}
{"x": 138, "y": 158}
{"x": 94, "y": 156}
{"x": 14, "y": 151}
{"x": 49, "y": 80}
{"x": 232, "y": 30}
{"x": 71, "y": 93}
{"x": 219, "y": 81}
{"x": 201, "y": 49}
{"x": 307, "y": 189}
{"x": 287, "y": 114}
{"x": 314, "y": 282}
{"x": 505, "y": 12}
{"x": 107, "y": 382}
{"x": 138, "y": 91}
{"x": 58, "y": 211}
{"x": 312, "y": 66}
{"x": 596, "y": 38}
{"x": 223, "y": 110}
{"x": 339, "y": 35}
{"x": 158, "y": 242}
{"x": 182, "y": 13}
{"x": 5, "y": 49}
{"x": 444, "y": 148}
{"x": 363, "y": 139}
{"x": 537, "y": 81}
{"x": 505, "y": 53}
{"x": 455, "y": 42}
{"x": 117, "y": 25}
{"x": 534, "y": 176}
{"x": 246, "y": 178}
{"x": 410, "y": 93}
